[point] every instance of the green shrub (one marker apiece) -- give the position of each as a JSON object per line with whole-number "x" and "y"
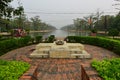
{"x": 26, "y": 40}
{"x": 32, "y": 40}
{"x": 12, "y": 70}
{"x": 94, "y": 30}
{"x": 110, "y": 44}
{"x": 11, "y": 44}
{"x": 113, "y": 32}
{"x": 0, "y": 37}
{"x": 108, "y": 69}
{"x": 51, "y": 38}
{"x": 38, "y": 39}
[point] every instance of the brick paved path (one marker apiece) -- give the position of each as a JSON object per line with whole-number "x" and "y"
{"x": 61, "y": 69}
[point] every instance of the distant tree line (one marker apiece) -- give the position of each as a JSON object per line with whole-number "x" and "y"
{"x": 11, "y": 18}
{"x": 102, "y": 23}
{"x": 97, "y": 21}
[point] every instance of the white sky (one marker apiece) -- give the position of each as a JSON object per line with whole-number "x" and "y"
{"x": 47, "y": 9}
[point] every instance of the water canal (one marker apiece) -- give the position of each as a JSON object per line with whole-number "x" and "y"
{"x": 59, "y": 33}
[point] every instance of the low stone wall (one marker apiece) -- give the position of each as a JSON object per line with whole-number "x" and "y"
{"x": 84, "y": 75}
{"x": 31, "y": 74}
{"x": 88, "y": 74}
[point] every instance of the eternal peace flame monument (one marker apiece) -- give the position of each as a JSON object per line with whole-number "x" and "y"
{"x": 60, "y": 49}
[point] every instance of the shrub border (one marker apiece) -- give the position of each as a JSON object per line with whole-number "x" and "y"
{"x": 110, "y": 44}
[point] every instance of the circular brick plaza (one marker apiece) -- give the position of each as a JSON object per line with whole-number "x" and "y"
{"x": 60, "y": 69}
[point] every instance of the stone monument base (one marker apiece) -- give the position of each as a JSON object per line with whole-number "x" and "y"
{"x": 64, "y": 50}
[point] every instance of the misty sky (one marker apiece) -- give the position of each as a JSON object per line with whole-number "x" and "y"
{"x": 62, "y": 12}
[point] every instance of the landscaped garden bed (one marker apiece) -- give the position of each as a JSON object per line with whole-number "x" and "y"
{"x": 108, "y": 69}
{"x": 12, "y": 70}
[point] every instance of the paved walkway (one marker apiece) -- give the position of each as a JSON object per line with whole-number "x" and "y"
{"x": 61, "y": 69}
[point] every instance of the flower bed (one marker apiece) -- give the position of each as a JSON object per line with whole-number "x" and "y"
{"x": 12, "y": 70}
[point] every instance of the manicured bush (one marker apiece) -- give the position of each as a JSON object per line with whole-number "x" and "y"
{"x": 38, "y": 39}
{"x": 110, "y": 44}
{"x": 108, "y": 69}
{"x": 113, "y": 32}
{"x": 94, "y": 30}
{"x": 51, "y": 38}
{"x": 11, "y": 44}
{"x": 2, "y": 38}
{"x": 12, "y": 70}
{"x": 32, "y": 40}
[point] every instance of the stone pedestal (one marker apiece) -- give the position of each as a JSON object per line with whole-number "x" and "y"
{"x": 67, "y": 50}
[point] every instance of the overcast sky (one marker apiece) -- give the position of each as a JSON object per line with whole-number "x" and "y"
{"x": 52, "y": 11}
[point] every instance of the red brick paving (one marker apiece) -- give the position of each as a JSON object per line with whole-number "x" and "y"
{"x": 61, "y": 69}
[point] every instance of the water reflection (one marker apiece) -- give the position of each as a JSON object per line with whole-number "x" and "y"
{"x": 59, "y": 33}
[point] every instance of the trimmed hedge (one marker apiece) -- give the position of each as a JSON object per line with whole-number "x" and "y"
{"x": 11, "y": 44}
{"x": 51, "y": 38}
{"x": 38, "y": 39}
{"x": 110, "y": 44}
{"x": 12, "y": 70}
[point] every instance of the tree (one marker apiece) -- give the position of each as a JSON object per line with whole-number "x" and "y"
{"x": 80, "y": 24}
{"x": 77, "y": 23}
{"x": 19, "y": 22}
{"x": 19, "y": 11}
{"x": 4, "y": 6}
{"x": 105, "y": 22}
{"x": 68, "y": 27}
{"x": 113, "y": 32}
{"x": 7, "y": 12}
{"x": 36, "y": 23}
{"x": 116, "y": 22}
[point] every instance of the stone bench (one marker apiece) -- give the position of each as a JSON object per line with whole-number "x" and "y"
{"x": 43, "y": 51}
{"x": 43, "y": 46}
{"x": 83, "y": 55}
{"x": 76, "y": 51}
{"x": 40, "y": 55}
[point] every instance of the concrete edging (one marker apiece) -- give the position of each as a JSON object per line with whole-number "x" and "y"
{"x": 31, "y": 74}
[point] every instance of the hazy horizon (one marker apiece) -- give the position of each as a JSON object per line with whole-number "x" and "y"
{"x": 61, "y": 13}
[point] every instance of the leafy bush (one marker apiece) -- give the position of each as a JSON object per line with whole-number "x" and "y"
{"x": 51, "y": 38}
{"x": 38, "y": 39}
{"x": 12, "y": 70}
{"x": 11, "y": 44}
{"x": 110, "y": 44}
{"x": 0, "y": 36}
{"x": 113, "y": 32}
{"x": 26, "y": 40}
{"x": 94, "y": 30}
{"x": 32, "y": 40}
{"x": 108, "y": 69}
